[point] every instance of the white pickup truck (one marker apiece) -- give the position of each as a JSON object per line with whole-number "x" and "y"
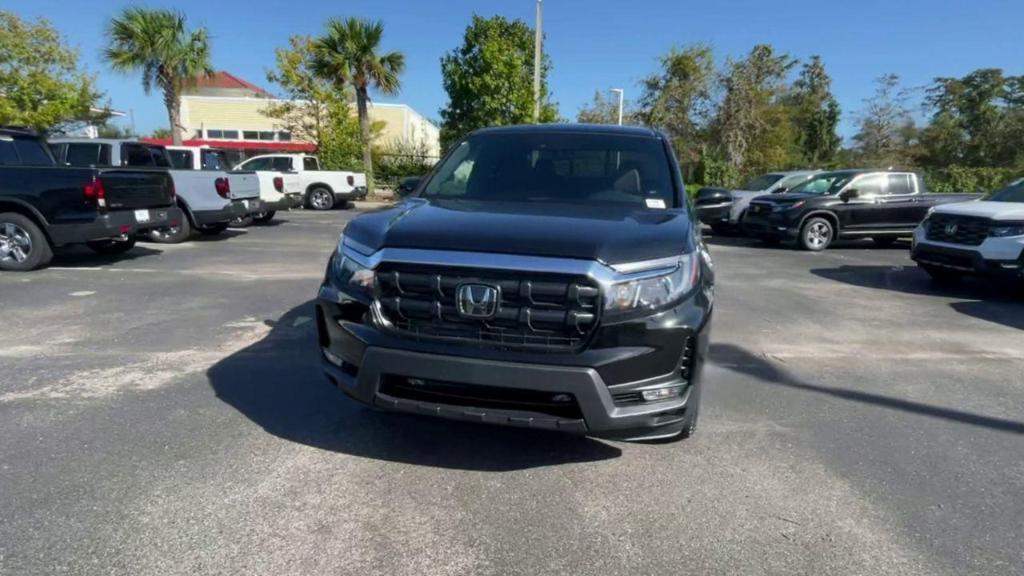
{"x": 322, "y": 189}
{"x": 279, "y": 189}
{"x": 210, "y": 199}
{"x": 983, "y": 238}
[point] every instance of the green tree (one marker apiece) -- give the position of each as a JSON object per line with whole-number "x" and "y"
{"x": 314, "y": 109}
{"x": 158, "y": 44}
{"x": 886, "y": 133}
{"x": 349, "y": 54}
{"x": 753, "y": 128}
{"x": 678, "y": 99}
{"x": 41, "y": 85}
{"x": 489, "y": 79}
{"x": 815, "y": 113}
{"x": 605, "y": 110}
{"x": 108, "y": 130}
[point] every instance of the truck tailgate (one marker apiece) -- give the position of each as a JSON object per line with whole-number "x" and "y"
{"x": 244, "y": 185}
{"x": 126, "y": 189}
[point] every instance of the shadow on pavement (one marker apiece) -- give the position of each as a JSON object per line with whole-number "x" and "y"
{"x": 277, "y": 384}
{"x": 738, "y": 359}
{"x": 82, "y": 257}
{"x": 997, "y": 301}
{"x": 740, "y": 241}
{"x": 221, "y": 237}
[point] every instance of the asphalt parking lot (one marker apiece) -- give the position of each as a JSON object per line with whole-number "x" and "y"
{"x": 163, "y": 413}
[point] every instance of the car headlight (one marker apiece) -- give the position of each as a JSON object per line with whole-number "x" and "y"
{"x": 657, "y": 291}
{"x": 345, "y": 271}
{"x": 1007, "y": 230}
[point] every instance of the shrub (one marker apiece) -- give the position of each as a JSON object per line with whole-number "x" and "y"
{"x": 968, "y": 179}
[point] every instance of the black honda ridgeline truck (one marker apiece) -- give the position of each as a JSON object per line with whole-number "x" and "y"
{"x": 549, "y": 277}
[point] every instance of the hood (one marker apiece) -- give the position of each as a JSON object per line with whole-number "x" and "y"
{"x": 787, "y": 197}
{"x": 614, "y": 235}
{"x": 984, "y": 209}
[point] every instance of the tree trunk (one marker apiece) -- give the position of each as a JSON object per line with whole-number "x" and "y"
{"x": 173, "y": 103}
{"x": 364, "y": 130}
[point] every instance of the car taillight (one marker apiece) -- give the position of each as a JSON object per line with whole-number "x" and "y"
{"x": 279, "y": 184}
{"x": 223, "y": 187}
{"x": 174, "y": 193}
{"x": 351, "y": 180}
{"x": 95, "y": 193}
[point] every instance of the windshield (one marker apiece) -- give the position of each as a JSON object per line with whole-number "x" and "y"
{"x": 557, "y": 167}
{"x": 1012, "y": 193}
{"x": 762, "y": 182}
{"x": 825, "y": 183}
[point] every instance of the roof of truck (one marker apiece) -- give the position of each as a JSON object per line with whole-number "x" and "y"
{"x": 571, "y": 129}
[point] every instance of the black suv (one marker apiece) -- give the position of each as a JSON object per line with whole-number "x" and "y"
{"x": 541, "y": 276}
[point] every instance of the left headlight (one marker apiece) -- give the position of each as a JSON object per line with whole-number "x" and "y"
{"x": 654, "y": 292}
{"x": 345, "y": 271}
{"x": 1007, "y": 230}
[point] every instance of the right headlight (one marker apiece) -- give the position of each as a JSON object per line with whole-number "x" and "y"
{"x": 1007, "y": 230}
{"x": 654, "y": 292}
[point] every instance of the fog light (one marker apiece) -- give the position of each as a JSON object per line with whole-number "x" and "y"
{"x": 332, "y": 357}
{"x": 661, "y": 393}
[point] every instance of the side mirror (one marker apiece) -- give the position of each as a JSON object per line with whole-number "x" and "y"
{"x": 406, "y": 186}
{"x": 849, "y": 194}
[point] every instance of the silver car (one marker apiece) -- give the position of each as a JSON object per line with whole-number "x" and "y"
{"x": 724, "y": 210}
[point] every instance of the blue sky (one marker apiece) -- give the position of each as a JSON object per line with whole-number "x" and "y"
{"x": 593, "y": 44}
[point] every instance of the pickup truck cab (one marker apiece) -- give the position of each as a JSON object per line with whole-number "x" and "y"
{"x": 321, "y": 189}
{"x": 280, "y": 186}
{"x": 984, "y": 238}
{"x": 723, "y": 209}
{"x": 549, "y": 277}
{"x": 882, "y": 205}
{"x": 44, "y": 205}
{"x": 210, "y": 199}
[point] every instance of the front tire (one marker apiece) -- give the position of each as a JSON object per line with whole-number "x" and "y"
{"x": 817, "y": 234}
{"x": 110, "y": 247}
{"x": 320, "y": 198}
{"x": 23, "y": 246}
{"x": 264, "y": 217}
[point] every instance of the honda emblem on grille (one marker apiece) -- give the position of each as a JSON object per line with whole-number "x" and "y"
{"x": 950, "y": 228}
{"x": 477, "y": 300}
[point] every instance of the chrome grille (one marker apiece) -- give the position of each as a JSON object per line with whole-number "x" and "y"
{"x": 542, "y": 312}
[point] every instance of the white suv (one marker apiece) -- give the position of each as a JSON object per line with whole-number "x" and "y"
{"x": 983, "y": 237}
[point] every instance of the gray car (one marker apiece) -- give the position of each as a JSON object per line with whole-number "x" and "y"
{"x": 723, "y": 210}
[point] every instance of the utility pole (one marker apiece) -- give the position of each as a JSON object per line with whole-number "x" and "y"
{"x": 619, "y": 91}
{"x": 537, "y": 48}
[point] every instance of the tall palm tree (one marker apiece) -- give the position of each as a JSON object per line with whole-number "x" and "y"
{"x": 347, "y": 54}
{"x": 169, "y": 56}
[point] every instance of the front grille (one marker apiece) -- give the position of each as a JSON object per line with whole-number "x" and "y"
{"x": 967, "y": 230}
{"x": 558, "y": 404}
{"x": 540, "y": 312}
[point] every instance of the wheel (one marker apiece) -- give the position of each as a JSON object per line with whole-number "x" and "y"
{"x": 213, "y": 229}
{"x": 883, "y": 241}
{"x": 241, "y": 221}
{"x": 172, "y": 234}
{"x": 111, "y": 246}
{"x": 23, "y": 246}
{"x": 942, "y": 275}
{"x": 816, "y": 234}
{"x": 320, "y": 198}
{"x": 264, "y": 217}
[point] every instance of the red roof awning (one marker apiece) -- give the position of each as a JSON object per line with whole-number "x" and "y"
{"x": 240, "y": 144}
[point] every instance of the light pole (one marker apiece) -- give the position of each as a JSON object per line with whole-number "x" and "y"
{"x": 537, "y": 47}
{"x": 620, "y": 93}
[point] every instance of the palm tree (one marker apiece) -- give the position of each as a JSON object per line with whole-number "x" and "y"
{"x": 169, "y": 56}
{"x": 347, "y": 54}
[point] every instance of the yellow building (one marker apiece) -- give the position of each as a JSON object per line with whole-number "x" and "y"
{"x": 227, "y": 112}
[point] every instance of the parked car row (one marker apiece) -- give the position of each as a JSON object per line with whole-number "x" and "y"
{"x": 105, "y": 193}
{"x": 952, "y": 234}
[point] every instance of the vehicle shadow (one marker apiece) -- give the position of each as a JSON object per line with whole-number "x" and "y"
{"x": 223, "y": 236}
{"x": 741, "y": 360}
{"x": 994, "y": 301}
{"x": 740, "y": 241}
{"x": 277, "y": 383}
{"x": 82, "y": 257}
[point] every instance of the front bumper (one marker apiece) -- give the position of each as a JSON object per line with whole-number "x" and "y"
{"x": 715, "y": 214}
{"x": 113, "y": 224}
{"x": 604, "y": 381}
{"x": 967, "y": 260}
{"x": 769, "y": 225}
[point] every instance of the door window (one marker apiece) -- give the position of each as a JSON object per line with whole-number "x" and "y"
{"x": 257, "y": 164}
{"x": 870, "y": 185}
{"x": 281, "y": 164}
{"x": 900, "y": 184}
{"x": 136, "y": 155}
{"x": 215, "y": 160}
{"x": 310, "y": 163}
{"x": 181, "y": 159}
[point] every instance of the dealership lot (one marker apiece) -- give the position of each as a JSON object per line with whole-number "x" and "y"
{"x": 163, "y": 413}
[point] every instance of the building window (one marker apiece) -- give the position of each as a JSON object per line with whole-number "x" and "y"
{"x": 266, "y": 135}
{"x": 250, "y": 135}
{"x": 216, "y": 134}
{"x": 284, "y": 136}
